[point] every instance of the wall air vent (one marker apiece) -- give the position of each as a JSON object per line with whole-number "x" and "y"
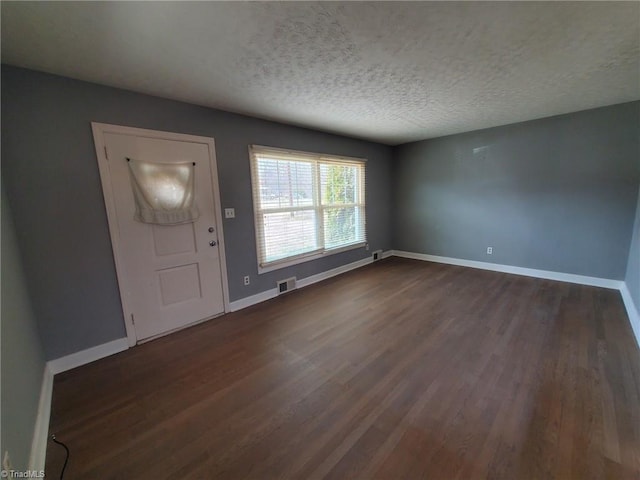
{"x": 285, "y": 285}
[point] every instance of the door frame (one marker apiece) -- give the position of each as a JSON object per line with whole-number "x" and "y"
{"x": 99, "y": 130}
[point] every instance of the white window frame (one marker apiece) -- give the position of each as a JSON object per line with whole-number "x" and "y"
{"x": 316, "y": 158}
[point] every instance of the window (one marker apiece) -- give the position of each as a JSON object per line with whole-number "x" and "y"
{"x": 306, "y": 205}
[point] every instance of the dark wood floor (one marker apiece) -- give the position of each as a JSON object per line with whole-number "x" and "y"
{"x": 401, "y": 369}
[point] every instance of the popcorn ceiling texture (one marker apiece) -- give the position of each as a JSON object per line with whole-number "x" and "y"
{"x": 390, "y": 72}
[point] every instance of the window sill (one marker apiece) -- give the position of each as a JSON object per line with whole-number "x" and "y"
{"x": 315, "y": 256}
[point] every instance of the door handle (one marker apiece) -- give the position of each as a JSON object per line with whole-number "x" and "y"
{"x": 213, "y": 243}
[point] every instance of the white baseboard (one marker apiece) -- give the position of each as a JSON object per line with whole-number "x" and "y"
{"x": 527, "y": 272}
{"x": 632, "y": 311}
{"x": 303, "y": 282}
{"x": 89, "y": 355}
{"x": 41, "y": 428}
{"x": 318, "y": 277}
{"x": 253, "y": 299}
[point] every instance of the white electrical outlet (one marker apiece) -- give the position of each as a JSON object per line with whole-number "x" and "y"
{"x": 489, "y": 250}
{"x": 247, "y": 280}
{"x": 229, "y": 213}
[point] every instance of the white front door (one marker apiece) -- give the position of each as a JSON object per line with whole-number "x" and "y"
{"x": 172, "y": 274}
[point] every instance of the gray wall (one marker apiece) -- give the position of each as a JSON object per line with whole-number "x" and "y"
{"x": 22, "y": 355}
{"x": 52, "y": 181}
{"x": 633, "y": 267}
{"x": 554, "y": 194}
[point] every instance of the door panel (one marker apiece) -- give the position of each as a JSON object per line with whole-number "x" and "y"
{"x": 179, "y": 284}
{"x": 172, "y": 272}
{"x": 175, "y": 240}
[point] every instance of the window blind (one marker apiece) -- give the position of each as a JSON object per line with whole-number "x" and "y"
{"x": 306, "y": 204}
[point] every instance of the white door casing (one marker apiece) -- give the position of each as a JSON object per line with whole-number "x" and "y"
{"x": 169, "y": 276}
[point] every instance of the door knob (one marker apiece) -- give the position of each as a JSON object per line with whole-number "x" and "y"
{"x": 213, "y": 243}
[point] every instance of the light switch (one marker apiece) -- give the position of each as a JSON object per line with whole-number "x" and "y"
{"x": 229, "y": 213}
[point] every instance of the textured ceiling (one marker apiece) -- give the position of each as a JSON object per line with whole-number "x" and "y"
{"x": 389, "y": 72}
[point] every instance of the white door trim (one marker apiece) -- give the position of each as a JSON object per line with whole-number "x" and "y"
{"x": 99, "y": 130}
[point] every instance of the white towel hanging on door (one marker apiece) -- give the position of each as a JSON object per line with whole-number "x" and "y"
{"x": 163, "y": 192}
